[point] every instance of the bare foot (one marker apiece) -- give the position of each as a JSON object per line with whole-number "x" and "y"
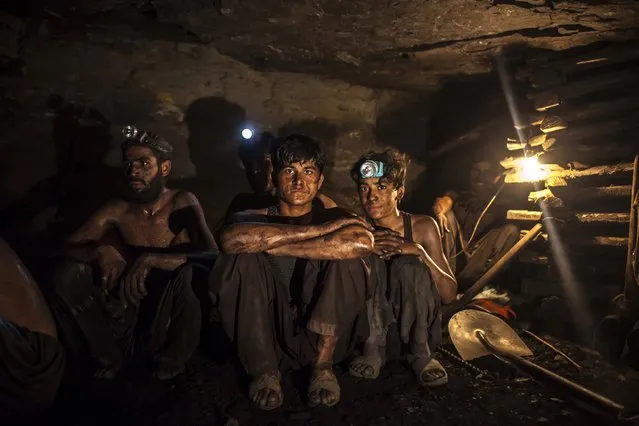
{"x": 167, "y": 370}
{"x": 266, "y": 391}
{"x": 324, "y": 388}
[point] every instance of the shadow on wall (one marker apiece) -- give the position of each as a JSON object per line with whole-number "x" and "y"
{"x": 56, "y": 206}
{"x": 214, "y": 126}
{"x": 405, "y": 125}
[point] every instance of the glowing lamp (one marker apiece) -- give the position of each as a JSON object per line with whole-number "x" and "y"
{"x": 247, "y": 133}
{"x": 532, "y": 171}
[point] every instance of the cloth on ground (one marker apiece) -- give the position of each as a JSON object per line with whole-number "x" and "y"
{"x": 31, "y": 369}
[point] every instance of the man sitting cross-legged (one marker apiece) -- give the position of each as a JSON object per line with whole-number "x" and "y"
{"x": 410, "y": 274}
{"x": 292, "y": 282}
{"x": 136, "y": 299}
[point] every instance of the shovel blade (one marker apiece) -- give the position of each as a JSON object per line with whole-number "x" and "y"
{"x": 463, "y": 326}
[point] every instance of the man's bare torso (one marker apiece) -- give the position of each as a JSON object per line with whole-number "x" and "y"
{"x": 21, "y": 301}
{"x": 156, "y": 226}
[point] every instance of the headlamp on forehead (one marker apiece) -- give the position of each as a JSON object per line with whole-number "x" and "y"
{"x": 371, "y": 169}
{"x": 130, "y": 132}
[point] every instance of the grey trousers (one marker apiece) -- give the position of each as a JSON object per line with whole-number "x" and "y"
{"x": 166, "y": 325}
{"x": 276, "y": 324}
{"x": 483, "y": 252}
{"x": 404, "y": 294}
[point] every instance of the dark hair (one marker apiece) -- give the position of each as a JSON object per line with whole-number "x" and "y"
{"x": 297, "y": 148}
{"x": 395, "y": 165}
{"x": 256, "y": 149}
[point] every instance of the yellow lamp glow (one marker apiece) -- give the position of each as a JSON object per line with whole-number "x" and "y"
{"x": 532, "y": 171}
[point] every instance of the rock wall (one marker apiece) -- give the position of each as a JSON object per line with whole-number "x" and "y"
{"x": 60, "y": 119}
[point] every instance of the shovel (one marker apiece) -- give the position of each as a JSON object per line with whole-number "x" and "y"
{"x": 476, "y": 334}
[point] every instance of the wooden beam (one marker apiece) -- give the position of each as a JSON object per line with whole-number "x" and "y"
{"x": 552, "y": 124}
{"x": 599, "y": 129}
{"x": 588, "y": 217}
{"x": 590, "y": 193}
{"x": 578, "y": 88}
{"x": 588, "y": 241}
{"x": 587, "y": 60}
{"x": 555, "y": 171}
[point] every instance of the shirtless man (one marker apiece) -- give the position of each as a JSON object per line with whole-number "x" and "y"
{"x": 139, "y": 299}
{"x": 472, "y": 245}
{"x": 31, "y": 358}
{"x": 411, "y": 277}
{"x": 292, "y": 282}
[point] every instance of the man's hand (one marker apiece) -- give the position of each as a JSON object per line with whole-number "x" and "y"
{"x": 441, "y": 207}
{"x": 132, "y": 286}
{"x": 111, "y": 264}
{"x": 389, "y": 243}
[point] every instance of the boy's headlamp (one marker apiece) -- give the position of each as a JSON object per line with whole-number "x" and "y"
{"x": 371, "y": 169}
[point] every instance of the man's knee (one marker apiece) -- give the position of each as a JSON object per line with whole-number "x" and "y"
{"x": 510, "y": 234}
{"x": 408, "y": 266}
{"x": 66, "y": 275}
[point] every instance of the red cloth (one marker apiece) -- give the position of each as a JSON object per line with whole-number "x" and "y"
{"x": 495, "y": 308}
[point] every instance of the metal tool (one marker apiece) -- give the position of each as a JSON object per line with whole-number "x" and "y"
{"x": 476, "y": 334}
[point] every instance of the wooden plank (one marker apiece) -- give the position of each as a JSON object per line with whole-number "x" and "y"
{"x": 555, "y": 171}
{"x": 577, "y": 88}
{"x": 599, "y": 129}
{"x": 589, "y": 110}
{"x": 590, "y": 193}
{"x": 585, "y": 217}
{"x": 552, "y": 124}
{"x": 587, "y": 241}
{"x": 587, "y": 60}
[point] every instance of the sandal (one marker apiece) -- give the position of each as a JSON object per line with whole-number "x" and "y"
{"x": 323, "y": 381}
{"x": 374, "y": 362}
{"x": 424, "y": 371}
{"x": 266, "y": 391}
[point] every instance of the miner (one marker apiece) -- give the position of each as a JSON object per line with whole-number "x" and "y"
{"x": 255, "y": 156}
{"x": 292, "y": 281}
{"x": 31, "y": 358}
{"x": 131, "y": 294}
{"x": 410, "y": 275}
{"x": 476, "y": 234}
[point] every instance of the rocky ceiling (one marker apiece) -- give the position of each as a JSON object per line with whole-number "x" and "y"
{"x": 380, "y": 43}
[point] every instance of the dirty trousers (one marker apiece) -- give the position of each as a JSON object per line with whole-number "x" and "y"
{"x": 166, "y": 325}
{"x": 484, "y": 252}
{"x": 275, "y": 323}
{"x": 31, "y": 369}
{"x": 405, "y": 295}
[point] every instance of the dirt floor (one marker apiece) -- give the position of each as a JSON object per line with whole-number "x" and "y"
{"x": 208, "y": 393}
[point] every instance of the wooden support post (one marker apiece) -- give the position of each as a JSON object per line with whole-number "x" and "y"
{"x": 555, "y": 171}
{"x": 535, "y": 216}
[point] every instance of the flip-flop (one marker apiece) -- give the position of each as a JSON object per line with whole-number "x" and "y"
{"x": 432, "y": 365}
{"x": 271, "y": 382}
{"x": 321, "y": 382}
{"x": 374, "y": 362}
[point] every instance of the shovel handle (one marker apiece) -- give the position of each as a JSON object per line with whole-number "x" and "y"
{"x": 586, "y": 395}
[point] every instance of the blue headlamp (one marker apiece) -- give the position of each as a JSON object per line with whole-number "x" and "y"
{"x": 371, "y": 169}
